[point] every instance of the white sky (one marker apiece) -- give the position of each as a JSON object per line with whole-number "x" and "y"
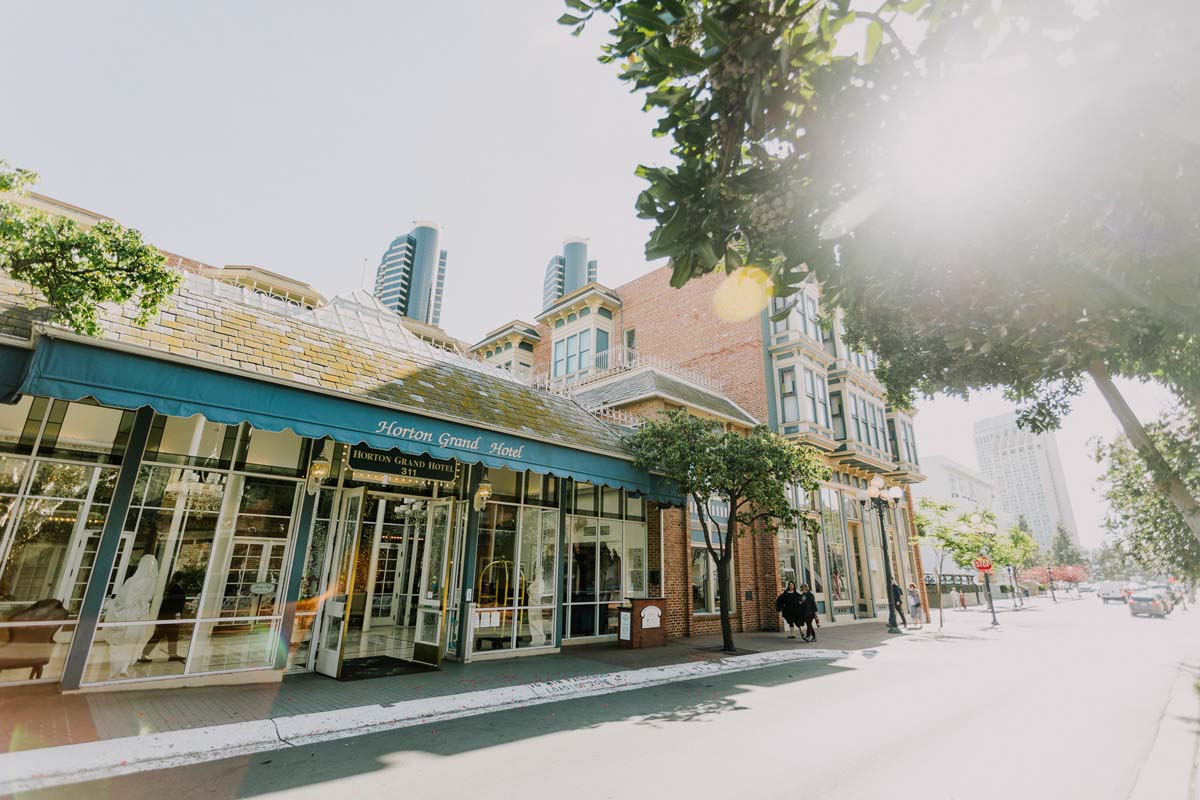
{"x": 303, "y": 137}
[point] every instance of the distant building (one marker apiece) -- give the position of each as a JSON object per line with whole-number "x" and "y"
{"x": 1028, "y": 471}
{"x": 948, "y": 481}
{"x": 412, "y": 274}
{"x": 568, "y": 272}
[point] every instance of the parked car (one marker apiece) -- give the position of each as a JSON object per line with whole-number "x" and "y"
{"x": 1086, "y": 587}
{"x": 1111, "y": 592}
{"x": 1148, "y": 603}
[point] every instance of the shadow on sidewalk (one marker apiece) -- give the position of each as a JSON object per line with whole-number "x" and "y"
{"x": 40, "y": 716}
{"x": 684, "y": 702}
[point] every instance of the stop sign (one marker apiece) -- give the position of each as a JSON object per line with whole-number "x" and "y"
{"x": 983, "y": 564}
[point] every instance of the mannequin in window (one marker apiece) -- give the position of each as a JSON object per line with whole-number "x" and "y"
{"x": 131, "y": 604}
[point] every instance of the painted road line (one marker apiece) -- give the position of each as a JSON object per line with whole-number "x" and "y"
{"x": 29, "y": 770}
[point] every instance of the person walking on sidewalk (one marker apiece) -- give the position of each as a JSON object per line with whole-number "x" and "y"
{"x": 898, "y": 602}
{"x": 808, "y": 613}
{"x": 914, "y": 605}
{"x": 788, "y": 604}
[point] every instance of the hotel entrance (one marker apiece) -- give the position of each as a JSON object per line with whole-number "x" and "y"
{"x": 386, "y": 586}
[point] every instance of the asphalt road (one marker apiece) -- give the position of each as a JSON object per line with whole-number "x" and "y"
{"x": 1062, "y": 701}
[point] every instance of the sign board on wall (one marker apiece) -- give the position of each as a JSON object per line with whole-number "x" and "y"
{"x": 403, "y": 465}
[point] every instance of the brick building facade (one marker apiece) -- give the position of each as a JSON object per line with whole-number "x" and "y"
{"x": 649, "y": 347}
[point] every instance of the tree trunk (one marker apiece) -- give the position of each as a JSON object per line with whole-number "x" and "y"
{"x": 1166, "y": 478}
{"x": 723, "y": 584}
{"x": 941, "y": 611}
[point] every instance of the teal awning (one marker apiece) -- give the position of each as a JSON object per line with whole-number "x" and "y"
{"x": 14, "y": 363}
{"x": 71, "y": 370}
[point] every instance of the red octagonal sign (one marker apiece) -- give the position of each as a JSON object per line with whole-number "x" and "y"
{"x": 983, "y": 564}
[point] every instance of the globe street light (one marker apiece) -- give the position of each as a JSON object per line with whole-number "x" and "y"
{"x": 879, "y": 499}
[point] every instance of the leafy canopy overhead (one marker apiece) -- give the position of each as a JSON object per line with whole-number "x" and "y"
{"x": 77, "y": 268}
{"x": 976, "y": 230}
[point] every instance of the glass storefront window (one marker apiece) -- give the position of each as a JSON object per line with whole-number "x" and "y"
{"x": 275, "y": 452}
{"x": 585, "y": 498}
{"x": 193, "y": 440}
{"x": 705, "y": 597}
{"x": 541, "y": 490}
{"x": 539, "y": 550}
{"x": 515, "y": 578}
{"x": 610, "y": 560}
{"x": 506, "y": 485}
{"x": 812, "y": 565}
{"x": 199, "y": 577}
{"x": 839, "y": 573}
{"x": 12, "y": 423}
{"x": 610, "y": 502}
{"x": 495, "y": 565}
{"x": 635, "y": 560}
{"x": 789, "y": 558}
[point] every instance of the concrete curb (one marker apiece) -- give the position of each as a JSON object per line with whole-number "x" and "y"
{"x": 29, "y": 770}
{"x": 1170, "y": 764}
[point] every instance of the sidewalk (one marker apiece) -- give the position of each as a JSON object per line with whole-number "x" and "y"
{"x": 33, "y": 717}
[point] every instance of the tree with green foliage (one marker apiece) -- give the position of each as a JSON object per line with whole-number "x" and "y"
{"x": 1146, "y": 527}
{"x": 1017, "y": 550}
{"x": 748, "y": 476}
{"x": 1110, "y": 562}
{"x": 75, "y": 267}
{"x": 937, "y": 530}
{"x": 975, "y": 230}
{"x": 1063, "y": 550}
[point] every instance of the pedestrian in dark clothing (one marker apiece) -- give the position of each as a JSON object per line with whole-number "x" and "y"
{"x": 171, "y": 608}
{"x": 808, "y": 613}
{"x": 898, "y": 602}
{"x": 788, "y": 604}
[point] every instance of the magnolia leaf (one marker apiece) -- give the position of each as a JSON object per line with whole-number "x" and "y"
{"x": 874, "y": 39}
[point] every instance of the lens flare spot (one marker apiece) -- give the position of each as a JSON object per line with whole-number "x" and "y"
{"x": 745, "y": 292}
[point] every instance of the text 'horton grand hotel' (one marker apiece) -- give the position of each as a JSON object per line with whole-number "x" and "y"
{"x": 262, "y": 481}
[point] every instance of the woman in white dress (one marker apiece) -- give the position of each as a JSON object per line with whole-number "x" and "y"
{"x": 132, "y": 604}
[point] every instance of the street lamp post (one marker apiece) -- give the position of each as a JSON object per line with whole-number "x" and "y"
{"x": 880, "y": 499}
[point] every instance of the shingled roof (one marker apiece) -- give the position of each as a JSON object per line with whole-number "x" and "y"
{"x": 649, "y": 381}
{"x": 347, "y": 348}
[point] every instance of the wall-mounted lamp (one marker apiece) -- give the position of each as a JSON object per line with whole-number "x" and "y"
{"x": 482, "y": 493}
{"x": 318, "y": 471}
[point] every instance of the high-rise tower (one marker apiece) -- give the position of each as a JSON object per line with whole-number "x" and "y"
{"x": 1027, "y": 469}
{"x": 412, "y": 274}
{"x": 568, "y": 272}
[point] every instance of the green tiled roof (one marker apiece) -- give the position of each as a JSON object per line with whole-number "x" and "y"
{"x": 348, "y": 348}
{"x": 652, "y": 382}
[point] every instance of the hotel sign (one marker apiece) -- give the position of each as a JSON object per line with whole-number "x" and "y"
{"x": 393, "y": 462}
{"x": 475, "y": 444}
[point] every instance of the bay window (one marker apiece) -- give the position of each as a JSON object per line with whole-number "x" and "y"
{"x": 789, "y": 401}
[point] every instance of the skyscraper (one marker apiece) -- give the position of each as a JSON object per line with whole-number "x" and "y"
{"x": 568, "y": 272}
{"x": 412, "y": 274}
{"x": 1027, "y": 469}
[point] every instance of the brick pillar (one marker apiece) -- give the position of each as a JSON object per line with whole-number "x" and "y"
{"x": 677, "y": 569}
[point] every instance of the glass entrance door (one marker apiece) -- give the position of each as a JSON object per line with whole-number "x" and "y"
{"x": 333, "y": 623}
{"x": 431, "y": 602}
{"x": 385, "y": 588}
{"x": 253, "y": 575}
